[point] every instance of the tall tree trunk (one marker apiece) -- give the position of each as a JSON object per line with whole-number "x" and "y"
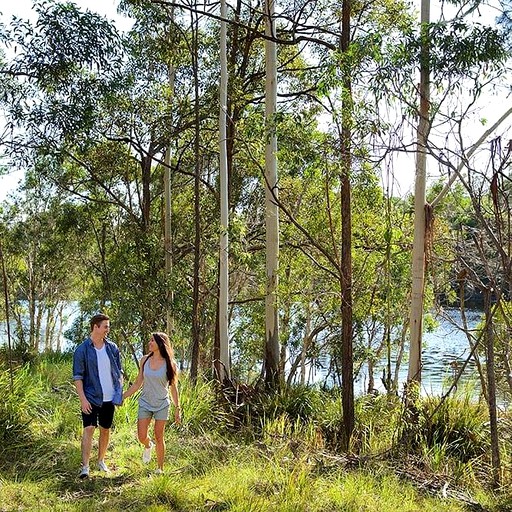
{"x": 271, "y": 208}
{"x": 32, "y": 306}
{"x": 194, "y": 363}
{"x": 418, "y": 252}
{"x": 305, "y": 346}
{"x": 49, "y": 328}
{"x": 60, "y": 315}
{"x": 7, "y": 308}
{"x": 491, "y": 388}
{"x": 347, "y": 363}
{"x": 221, "y": 359}
{"x": 168, "y": 249}
{"x": 37, "y": 326}
{"x": 146, "y": 164}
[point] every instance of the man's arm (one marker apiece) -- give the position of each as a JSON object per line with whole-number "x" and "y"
{"x": 78, "y": 375}
{"x": 86, "y": 406}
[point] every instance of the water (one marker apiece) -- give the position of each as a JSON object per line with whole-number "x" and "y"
{"x": 69, "y": 313}
{"x": 445, "y": 350}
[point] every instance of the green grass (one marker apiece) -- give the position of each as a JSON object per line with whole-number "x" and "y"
{"x": 203, "y": 474}
{"x": 281, "y": 462}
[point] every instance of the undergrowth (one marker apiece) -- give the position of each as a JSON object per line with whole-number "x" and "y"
{"x": 275, "y": 452}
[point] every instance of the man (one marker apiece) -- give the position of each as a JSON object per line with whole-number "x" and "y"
{"x": 97, "y": 376}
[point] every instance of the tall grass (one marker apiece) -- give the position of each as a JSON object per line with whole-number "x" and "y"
{"x": 22, "y": 401}
{"x": 275, "y": 456}
{"x": 456, "y": 425}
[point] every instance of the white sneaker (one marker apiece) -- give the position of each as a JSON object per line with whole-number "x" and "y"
{"x": 84, "y": 473}
{"x": 103, "y": 467}
{"x": 159, "y": 471}
{"x": 146, "y": 454}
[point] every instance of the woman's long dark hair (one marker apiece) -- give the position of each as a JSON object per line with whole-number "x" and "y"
{"x": 166, "y": 351}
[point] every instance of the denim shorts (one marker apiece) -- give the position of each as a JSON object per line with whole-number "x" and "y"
{"x": 144, "y": 414}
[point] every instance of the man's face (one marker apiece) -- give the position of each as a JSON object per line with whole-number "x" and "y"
{"x": 103, "y": 329}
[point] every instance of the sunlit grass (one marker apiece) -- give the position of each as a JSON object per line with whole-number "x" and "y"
{"x": 285, "y": 464}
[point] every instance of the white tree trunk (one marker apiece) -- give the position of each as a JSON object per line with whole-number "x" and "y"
{"x": 224, "y": 369}
{"x": 271, "y": 208}
{"x": 418, "y": 251}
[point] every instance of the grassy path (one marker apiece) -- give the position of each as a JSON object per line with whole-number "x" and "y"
{"x": 203, "y": 473}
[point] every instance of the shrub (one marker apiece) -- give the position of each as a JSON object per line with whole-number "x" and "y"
{"x": 456, "y": 424}
{"x": 298, "y": 404}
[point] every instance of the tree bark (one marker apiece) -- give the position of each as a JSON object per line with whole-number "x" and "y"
{"x": 418, "y": 251}
{"x": 196, "y": 330}
{"x": 222, "y": 365}
{"x": 347, "y": 369}
{"x": 271, "y": 208}
{"x": 491, "y": 388}
{"x": 168, "y": 249}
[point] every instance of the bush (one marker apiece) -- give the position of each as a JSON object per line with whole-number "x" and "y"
{"x": 22, "y": 397}
{"x": 297, "y": 404}
{"x": 456, "y": 424}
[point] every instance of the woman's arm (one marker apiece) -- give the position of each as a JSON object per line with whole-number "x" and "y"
{"x": 138, "y": 381}
{"x": 176, "y": 402}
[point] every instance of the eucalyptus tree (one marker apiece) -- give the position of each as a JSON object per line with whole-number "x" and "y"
{"x": 43, "y": 258}
{"x": 483, "y": 266}
{"x": 338, "y": 88}
{"x": 106, "y": 150}
{"x": 302, "y": 79}
{"x": 271, "y": 198}
{"x": 444, "y": 52}
{"x": 222, "y": 358}
{"x": 420, "y": 209}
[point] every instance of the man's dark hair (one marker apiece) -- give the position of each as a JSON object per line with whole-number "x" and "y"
{"x": 97, "y": 319}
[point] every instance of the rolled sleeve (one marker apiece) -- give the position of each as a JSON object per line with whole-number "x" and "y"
{"x": 79, "y": 364}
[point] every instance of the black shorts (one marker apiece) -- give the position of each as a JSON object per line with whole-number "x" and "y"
{"x": 102, "y": 415}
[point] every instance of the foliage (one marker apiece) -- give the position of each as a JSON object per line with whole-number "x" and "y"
{"x": 286, "y": 466}
{"x": 455, "y": 425}
{"x": 22, "y": 400}
{"x": 43, "y": 265}
{"x": 95, "y": 112}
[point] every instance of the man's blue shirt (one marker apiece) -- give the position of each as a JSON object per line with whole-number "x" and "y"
{"x": 85, "y": 368}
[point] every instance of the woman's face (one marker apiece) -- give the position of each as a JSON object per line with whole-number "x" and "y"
{"x": 153, "y": 345}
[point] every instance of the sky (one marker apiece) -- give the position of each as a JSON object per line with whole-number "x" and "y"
{"x": 404, "y": 170}
{"x": 23, "y": 9}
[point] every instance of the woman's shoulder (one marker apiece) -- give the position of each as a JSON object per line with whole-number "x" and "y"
{"x": 144, "y": 359}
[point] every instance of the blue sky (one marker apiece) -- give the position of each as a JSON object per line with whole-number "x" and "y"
{"x": 488, "y": 107}
{"x": 23, "y": 9}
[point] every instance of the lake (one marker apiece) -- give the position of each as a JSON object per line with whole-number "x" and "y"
{"x": 445, "y": 349}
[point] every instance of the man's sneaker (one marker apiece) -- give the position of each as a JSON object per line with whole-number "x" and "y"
{"x": 84, "y": 473}
{"x": 146, "y": 454}
{"x": 103, "y": 467}
{"x": 159, "y": 471}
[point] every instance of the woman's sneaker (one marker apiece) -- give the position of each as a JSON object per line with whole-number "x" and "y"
{"x": 103, "y": 467}
{"x": 146, "y": 454}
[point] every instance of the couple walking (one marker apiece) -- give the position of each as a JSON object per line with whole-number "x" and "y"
{"x": 97, "y": 375}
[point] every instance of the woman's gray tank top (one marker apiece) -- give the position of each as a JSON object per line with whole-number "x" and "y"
{"x": 155, "y": 391}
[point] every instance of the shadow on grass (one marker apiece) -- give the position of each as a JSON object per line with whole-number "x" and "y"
{"x": 54, "y": 464}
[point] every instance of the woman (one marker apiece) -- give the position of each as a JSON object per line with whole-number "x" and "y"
{"x": 158, "y": 374}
